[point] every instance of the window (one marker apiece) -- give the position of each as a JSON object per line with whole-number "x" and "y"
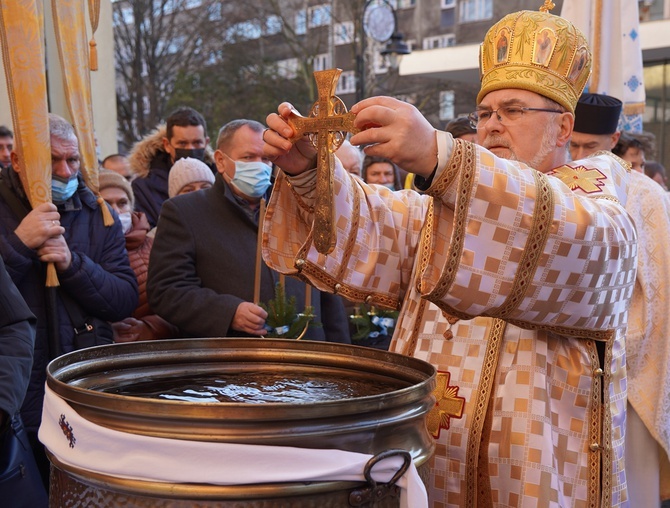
{"x": 343, "y": 33}
{"x": 439, "y": 41}
{"x": 287, "y": 69}
{"x": 404, "y": 4}
{"x": 447, "y": 18}
{"x": 475, "y": 10}
{"x": 448, "y": 13}
{"x": 322, "y": 62}
{"x": 319, "y": 15}
{"x": 347, "y": 83}
{"x": 447, "y": 105}
{"x": 273, "y": 25}
{"x": 301, "y": 22}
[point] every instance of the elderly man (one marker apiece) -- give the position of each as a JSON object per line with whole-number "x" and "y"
{"x": 95, "y": 277}
{"x": 202, "y": 263}
{"x": 513, "y": 274}
{"x": 647, "y": 345}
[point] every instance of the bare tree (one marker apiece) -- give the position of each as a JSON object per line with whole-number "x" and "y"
{"x": 155, "y": 42}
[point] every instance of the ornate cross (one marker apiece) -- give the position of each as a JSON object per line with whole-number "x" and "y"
{"x": 327, "y": 125}
{"x": 589, "y": 180}
{"x": 447, "y": 405}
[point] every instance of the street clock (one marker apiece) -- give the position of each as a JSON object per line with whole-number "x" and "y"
{"x": 379, "y": 22}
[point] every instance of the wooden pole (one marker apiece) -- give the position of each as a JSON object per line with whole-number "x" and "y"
{"x": 259, "y": 259}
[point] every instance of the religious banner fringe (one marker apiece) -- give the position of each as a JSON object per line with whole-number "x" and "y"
{"x": 72, "y": 48}
{"x": 24, "y": 64}
{"x": 94, "y": 16}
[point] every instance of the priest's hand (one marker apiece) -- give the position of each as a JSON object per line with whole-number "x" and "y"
{"x": 398, "y": 131}
{"x": 39, "y": 225}
{"x": 292, "y": 158}
{"x": 249, "y": 318}
{"x": 55, "y": 250}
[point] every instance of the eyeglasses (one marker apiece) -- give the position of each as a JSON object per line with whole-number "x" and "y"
{"x": 506, "y": 115}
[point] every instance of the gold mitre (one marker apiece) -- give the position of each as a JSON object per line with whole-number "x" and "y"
{"x": 535, "y": 51}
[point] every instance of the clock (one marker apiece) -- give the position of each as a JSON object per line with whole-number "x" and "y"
{"x": 379, "y": 22}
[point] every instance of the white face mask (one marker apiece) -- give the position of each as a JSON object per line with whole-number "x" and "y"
{"x": 126, "y": 221}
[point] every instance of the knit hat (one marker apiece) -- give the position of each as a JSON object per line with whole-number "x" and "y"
{"x": 597, "y": 114}
{"x": 109, "y": 178}
{"x": 185, "y": 171}
{"x": 535, "y": 51}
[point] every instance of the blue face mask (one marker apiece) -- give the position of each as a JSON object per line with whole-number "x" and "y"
{"x": 252, "y": 178}
{"x": 62, "y": 190}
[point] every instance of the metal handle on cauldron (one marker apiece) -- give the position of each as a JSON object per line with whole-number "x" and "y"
{"x": 369, "y": 496}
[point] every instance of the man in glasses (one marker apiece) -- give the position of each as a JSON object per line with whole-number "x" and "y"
{"x": 513, "y": 273}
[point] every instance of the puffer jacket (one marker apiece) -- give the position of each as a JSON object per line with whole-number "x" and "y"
{"x": 99, "y": 278}
{"x": 151, "y": 165}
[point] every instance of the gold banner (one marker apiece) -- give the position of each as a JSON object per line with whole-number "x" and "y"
{"x": 22, "y": 23}
{"x": 22, "y": 40}
{"x": 70, "y": 28}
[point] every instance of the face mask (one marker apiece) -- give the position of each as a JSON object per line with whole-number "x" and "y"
{"x": 126, "y": 221}
{"x": 62, "y": 190}
{"x": 252, "y": 178}
{"x": 390, "y": 186}
{"x": 193, "y": 153}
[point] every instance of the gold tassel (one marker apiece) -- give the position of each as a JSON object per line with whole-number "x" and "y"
{"x": 93, "y": 55}
{"x": 107, "y": 218}
{"x": 52, "y": 276}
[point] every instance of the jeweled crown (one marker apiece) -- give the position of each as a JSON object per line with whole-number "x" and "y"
{"x": 535, "y": 51}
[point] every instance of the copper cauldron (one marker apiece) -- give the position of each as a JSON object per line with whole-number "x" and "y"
{"x": 105, "y": 384}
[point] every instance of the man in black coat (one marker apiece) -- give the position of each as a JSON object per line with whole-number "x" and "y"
{"x": 201, "y": 271}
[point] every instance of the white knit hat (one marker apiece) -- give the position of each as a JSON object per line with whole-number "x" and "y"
{"x": 186, "y": 171}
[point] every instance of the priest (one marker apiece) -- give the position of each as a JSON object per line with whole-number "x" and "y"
{"x": 513, "y": 272}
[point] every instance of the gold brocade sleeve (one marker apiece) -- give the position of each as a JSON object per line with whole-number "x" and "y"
{"x": 377, "y": 231}
{"x": 503, "y": 241}
{"x": 528, "y": 248}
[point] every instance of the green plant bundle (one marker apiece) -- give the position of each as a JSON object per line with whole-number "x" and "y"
{"x": 283, "y": 321}
{"x": 372, "y": 322}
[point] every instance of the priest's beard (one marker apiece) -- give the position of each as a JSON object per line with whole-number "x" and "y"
{"x": 547, "y": 145}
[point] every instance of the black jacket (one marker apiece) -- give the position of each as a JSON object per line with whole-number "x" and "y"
{"x": 202, "y": 267}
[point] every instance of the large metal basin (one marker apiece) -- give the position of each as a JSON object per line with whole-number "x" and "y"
{"x": 372, "y": 424}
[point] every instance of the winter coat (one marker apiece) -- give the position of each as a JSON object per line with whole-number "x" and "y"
{"x": 17, "y": 340}
{"x": 138, "y": 245}
{"x": 99, "y": 278}
{"x": 151, "y": 164}
{"x": 202, "y": 267}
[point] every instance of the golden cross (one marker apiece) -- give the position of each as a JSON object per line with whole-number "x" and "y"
{"x": 447, "y": 405}
{"x": 327, "y": 125}
{"x": 547, "y": 6}
{"x": 580, "y": 177}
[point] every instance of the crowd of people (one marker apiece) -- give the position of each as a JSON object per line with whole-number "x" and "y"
{"x": 523, "y": 249}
